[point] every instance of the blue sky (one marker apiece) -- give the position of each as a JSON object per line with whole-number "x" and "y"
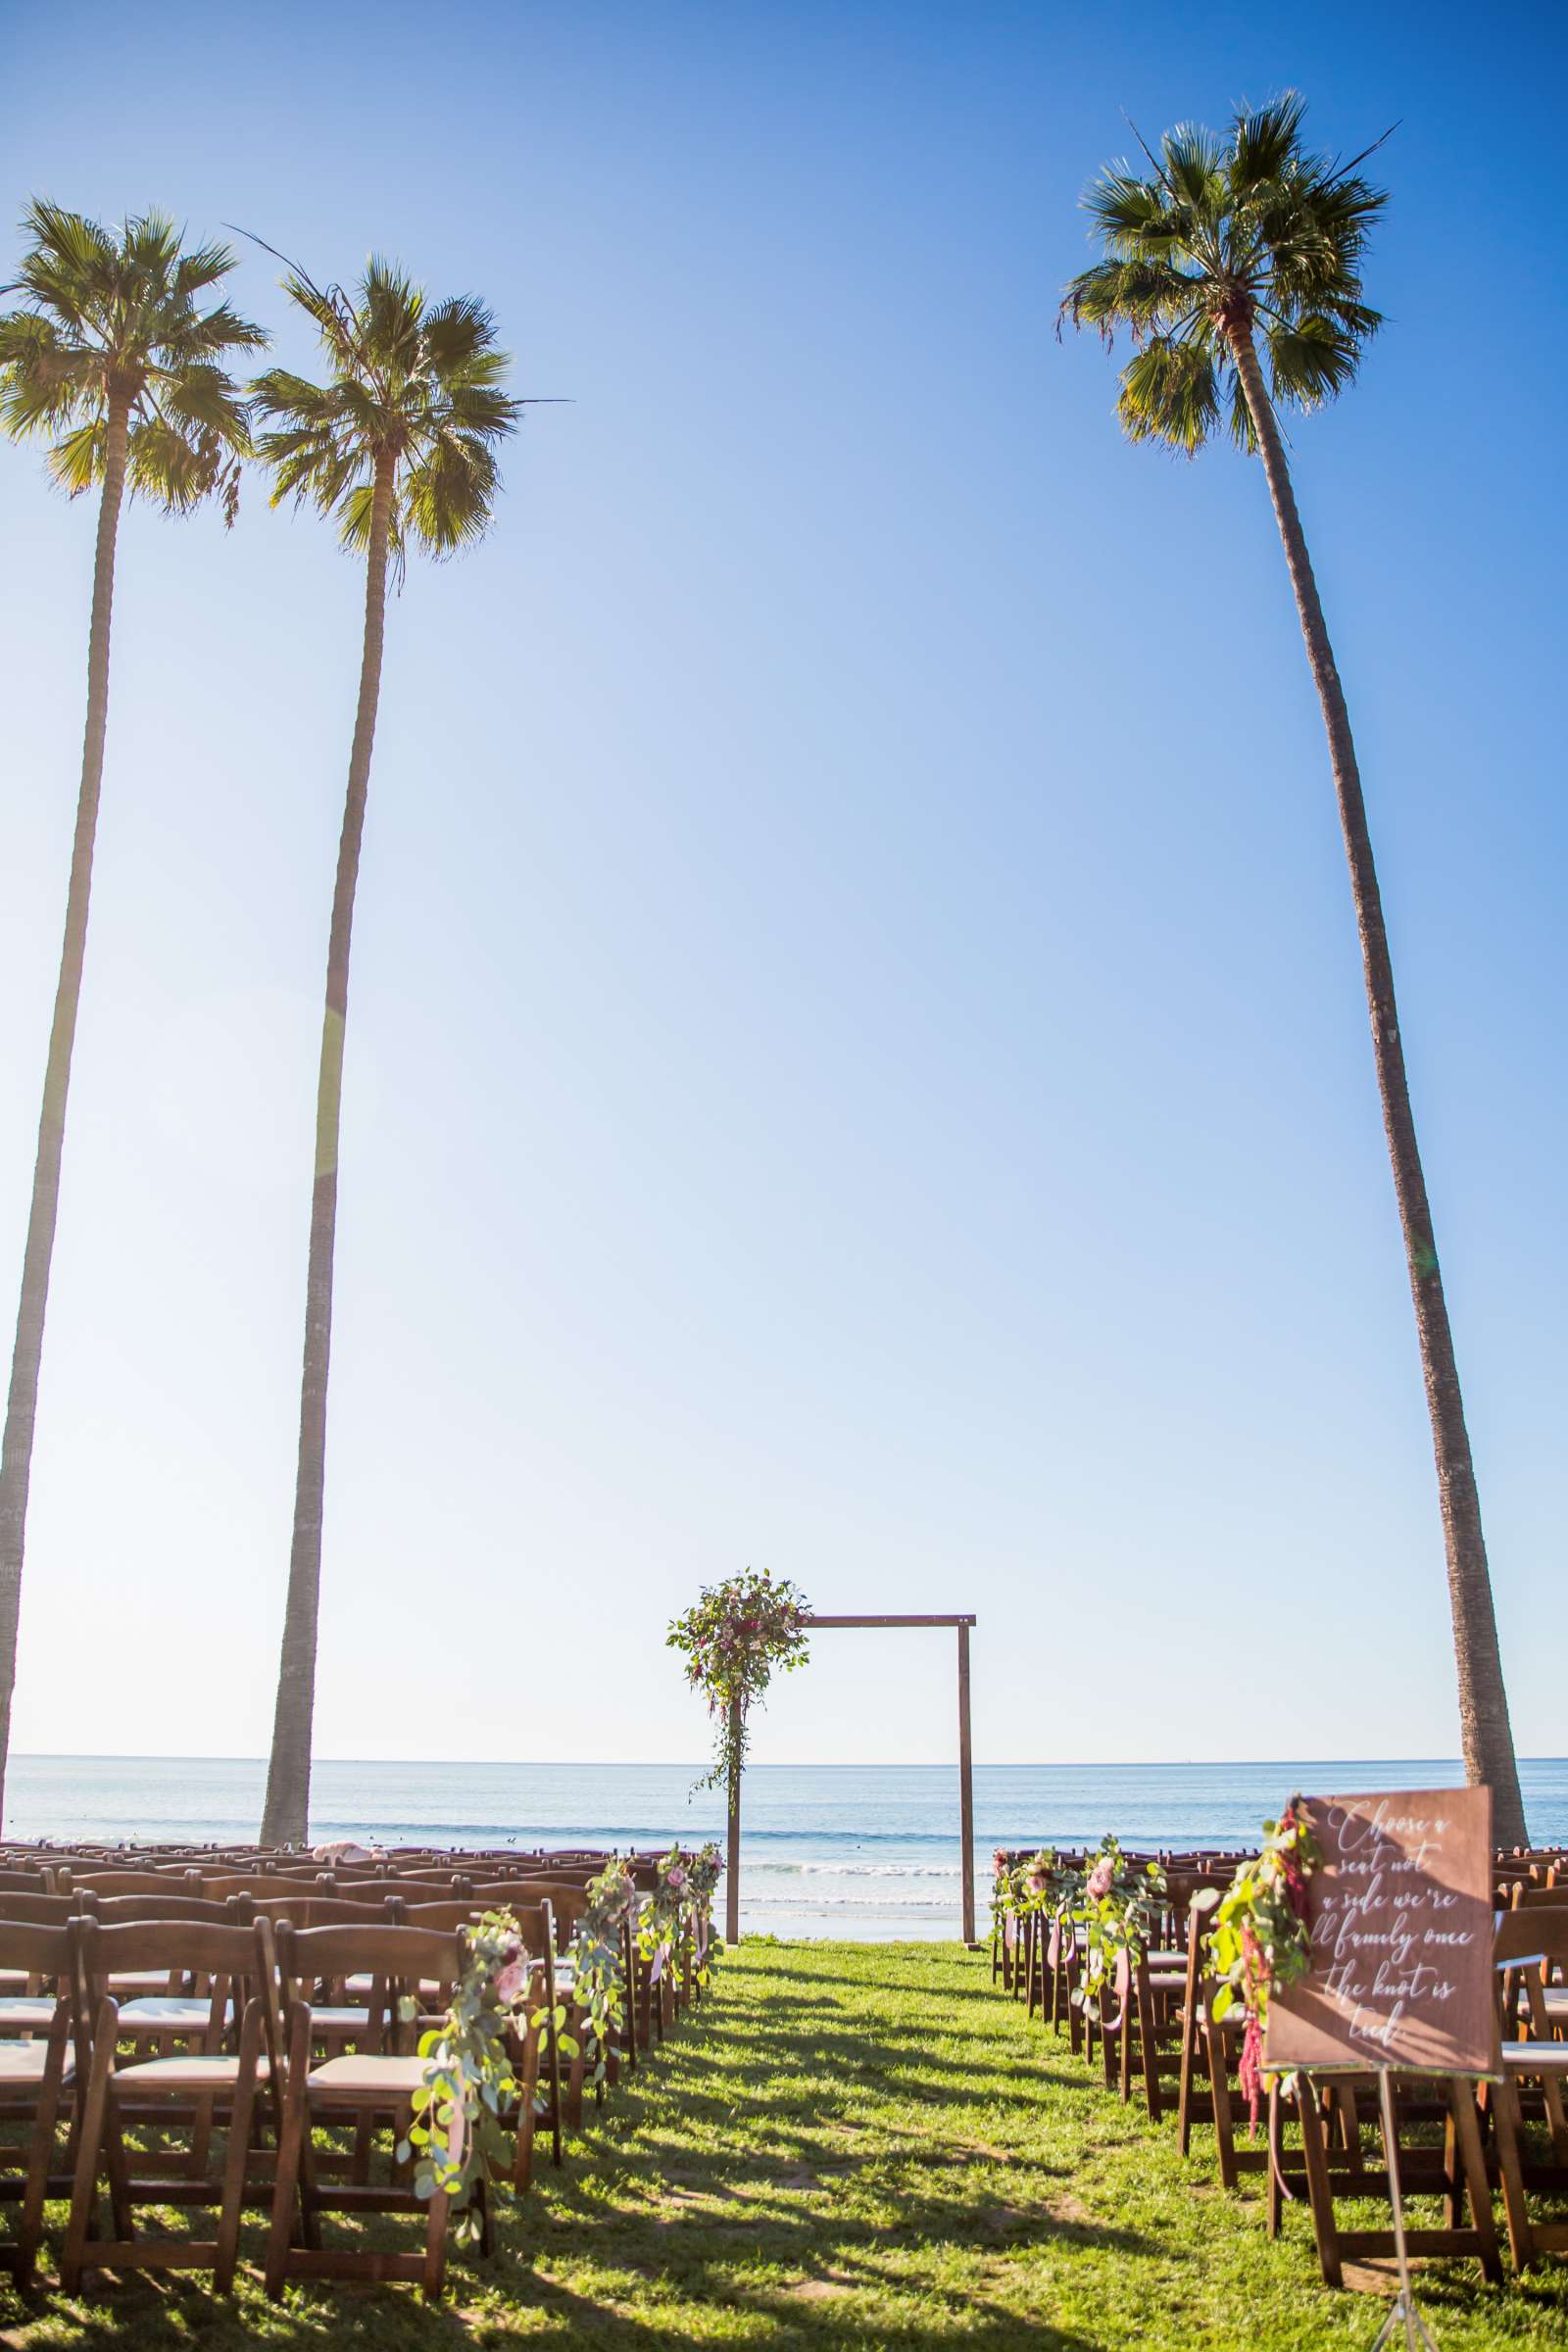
{"x": 857, "y": 1056}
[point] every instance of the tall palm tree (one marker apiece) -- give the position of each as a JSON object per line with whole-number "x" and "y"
{"x": 1219, "y": 248}
{"x": 112, "y": 358}
{"x": 399, "y": 448}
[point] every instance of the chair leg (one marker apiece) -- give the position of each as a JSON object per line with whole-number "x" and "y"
{"x": 1320, "y": 2195}
{"x": 527, "y": 2085}
{"x": 30, "y": 2229}
{"x": 1185, "y": 2084}
{"x": 435, "y": 2247}
{"x": 1220, "y": 2095}
{"x": 289, "y": 2197}
{"x": 1148, "y": 2049}
{"x": 239, "y": 2141}
{"x": 1515, "y": 2208}
{"x": 84, "y": 2184}
{"x": 1472, "y": 2163}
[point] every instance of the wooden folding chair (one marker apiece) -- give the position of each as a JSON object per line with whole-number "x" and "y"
{"x": 1530, "y": 1945}
{"x": 183, "y": 2089}
{"x": 379, "y": 2085}
{"x": 36, "y": 2072}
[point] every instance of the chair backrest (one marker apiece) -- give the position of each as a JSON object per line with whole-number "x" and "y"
{"x": 1538, "y": 1934}
{"x": 567, "y": 1898}
{"x": 27, "y": 1882}
{"x": 535, "y": 1921}
{"x": 38, "y": 1949}
{"x": 137, "y": 1882}
{"x": 375, "y": 1947}
{"x": 309, "y": 1909}
{"x": 118, "y": 1910}
{"x": 265, "y": 1882}
{"x": 1541, "y": 1899}
{"x": 42, "y": 1910}
{"x": 188, "y": 1946}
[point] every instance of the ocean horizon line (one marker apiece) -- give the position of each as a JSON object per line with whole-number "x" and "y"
{"x": 41, "y": 1756}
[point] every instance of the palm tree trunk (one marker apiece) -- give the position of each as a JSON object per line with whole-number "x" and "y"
{"x": 286, "y": 1812}
{"x": 1484, "y": 1725}
{"x": 22, "y": 1403}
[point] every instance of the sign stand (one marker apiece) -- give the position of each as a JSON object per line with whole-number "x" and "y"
{"x": 1403, "y": 2313}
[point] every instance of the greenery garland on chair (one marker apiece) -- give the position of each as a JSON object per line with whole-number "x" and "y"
{"x": 1259, "y": 1942}
{"x": 681, "y": 1908}
{"x": 456, "y": 2136}
{"x": 598, "y": 1963}
{"x": 733, "y": 1639}
{"x": 1024, "y": 1883}
{"x": 1117, "y": 1904}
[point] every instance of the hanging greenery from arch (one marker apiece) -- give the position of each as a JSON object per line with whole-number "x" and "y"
{"x": 734, "y": 1640}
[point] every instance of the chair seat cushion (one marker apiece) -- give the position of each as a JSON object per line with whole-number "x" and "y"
{"x": 138, "y": 1980}
{"x": 195, "y": 2072}
{"x": 24, "y": 2062}
{"x": 1536, "y": 2057}
{"x": 364, "y": 1985}
{"x": 371, "y": 2076}
{"x": 340, "y": 2020}
{"x": 173, "y": 2012}
{"x": 21, "y": 2015}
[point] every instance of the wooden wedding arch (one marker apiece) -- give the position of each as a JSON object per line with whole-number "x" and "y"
{"x": 732, "y": 1871}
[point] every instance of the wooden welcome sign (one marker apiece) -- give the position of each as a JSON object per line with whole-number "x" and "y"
{"x": 1400, "y": 1918}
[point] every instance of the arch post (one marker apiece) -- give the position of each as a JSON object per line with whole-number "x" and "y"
{"x": 965, "y": 1783}
{"x": 732, "y": 1862}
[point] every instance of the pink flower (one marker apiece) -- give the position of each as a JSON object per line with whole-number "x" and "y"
{"x": 1102, "y": 1879}
{"x": 511, "y": 1981}
{"x": 675, "y": 1879}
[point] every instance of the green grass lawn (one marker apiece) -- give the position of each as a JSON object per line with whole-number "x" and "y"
{"x": 852, "y": 2145}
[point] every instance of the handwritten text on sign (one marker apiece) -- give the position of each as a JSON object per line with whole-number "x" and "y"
{"x": 1400, "y": 1920}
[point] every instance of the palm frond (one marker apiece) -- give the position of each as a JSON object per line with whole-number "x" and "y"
{"x": 1170, "y": 393}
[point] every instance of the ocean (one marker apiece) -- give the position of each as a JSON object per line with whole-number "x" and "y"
{"x": 867, "y": 1852}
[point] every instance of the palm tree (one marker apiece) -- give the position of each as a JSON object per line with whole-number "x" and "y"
{"x": 1219, "y": 248}
{"x": 398, "y": 446}
{"x": 113, "y": 359}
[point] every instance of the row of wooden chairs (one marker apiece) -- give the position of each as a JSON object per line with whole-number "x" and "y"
{"x": 268, "y": 2002}
{"x": 1158, "y": 2034}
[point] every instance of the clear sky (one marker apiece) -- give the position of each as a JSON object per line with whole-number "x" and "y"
{"x": 857, "y": 1056}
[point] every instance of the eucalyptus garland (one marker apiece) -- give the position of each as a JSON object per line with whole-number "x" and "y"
{"x": 1117, "y": 1905}
{"x": 680, "y": 1911}
{"x": 1022, "y": 1885}
{"x": 733, "y": 1639}
{"x": 598, "y": 1963}
{"x": 456, "y": 2136}
{"x": 1259, "y": 1941}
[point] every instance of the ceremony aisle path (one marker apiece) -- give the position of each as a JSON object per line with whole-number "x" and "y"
{"x": 852, "y": 2146}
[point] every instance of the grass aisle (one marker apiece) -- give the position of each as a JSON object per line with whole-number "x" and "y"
{"x": 857, "y": 2145}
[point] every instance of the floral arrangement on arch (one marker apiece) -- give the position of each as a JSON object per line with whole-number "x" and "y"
{"x": 1117, "y": 1905}
{"x": 456, "y": 2136}
{"x": 733, "y": 1640}
{"x": 1259, "y": 1942}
